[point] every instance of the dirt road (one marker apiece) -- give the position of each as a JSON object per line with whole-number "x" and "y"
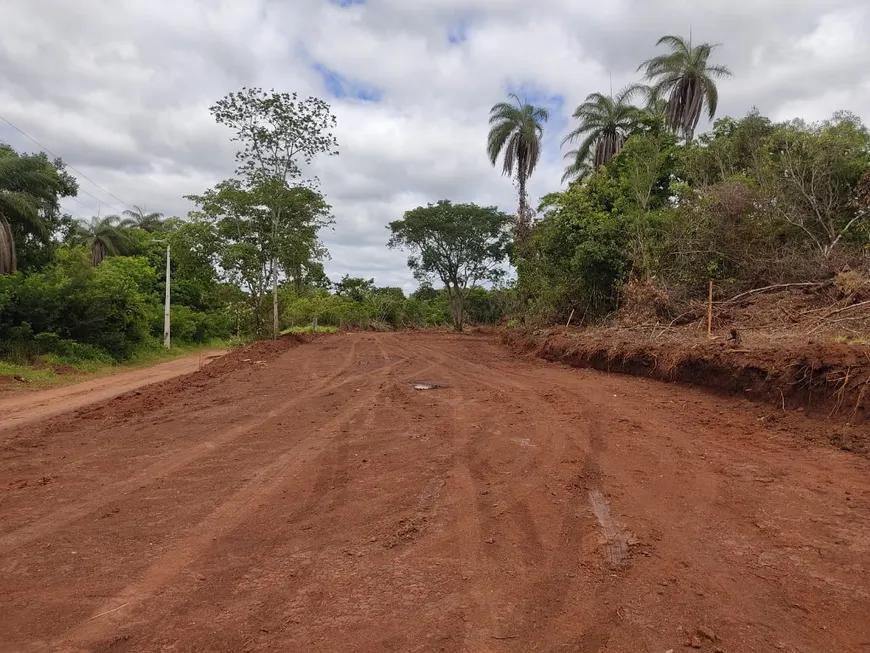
{"x": 29, "y": 407}
{"x": 315, "y": 500}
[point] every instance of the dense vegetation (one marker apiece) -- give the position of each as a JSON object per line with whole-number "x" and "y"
{"x": 649, "y": 205}
{"x": 78, "y": 292}
{"x": 653, "y": 209}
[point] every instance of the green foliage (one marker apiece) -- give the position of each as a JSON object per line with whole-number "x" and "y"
{"x": 104, "y": 237}
{"x": 149, "y": 222}
{"x": 355, "y": 289}
{"x": 580, "y": 250}
{"x": 752, "y": 203}
{"x": 461, "y": 244}
{"x": 810, "y": 174}
{"x": 386, "y": 308}
{"x": 78, "y": 312}
{"x": 275, "y": 132}
{"x": 236, "y": 228}
{"x": 31, "y": 187}
{"x": 605, "y": 124}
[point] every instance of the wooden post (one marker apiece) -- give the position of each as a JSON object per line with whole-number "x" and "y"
{"x": 314, "y": 325}
{"x": 710, "y": 312}
{"x": 569, "y": 319}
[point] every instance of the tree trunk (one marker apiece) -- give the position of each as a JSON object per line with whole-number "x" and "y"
{"x": 456, "y": 309}
{"x": 690, "y": 135}
{"x": 258, "y": 312}
{"x": 524, "y": 222}
{"x": 98, "y": 253}
{"x": 275, "y": 328}
{"x": 8, "y": 263}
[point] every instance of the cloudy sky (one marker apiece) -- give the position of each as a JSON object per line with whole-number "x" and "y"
{"x": 121, "y": 88}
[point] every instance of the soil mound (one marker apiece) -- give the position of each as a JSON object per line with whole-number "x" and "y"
{"x": 828, "y": 380}
{"x": 237, "y": 364}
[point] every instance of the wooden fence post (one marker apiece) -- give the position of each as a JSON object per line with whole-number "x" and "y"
{"x": 710, "y": 313}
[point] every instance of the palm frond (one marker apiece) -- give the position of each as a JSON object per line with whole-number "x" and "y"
{"x": 718, "y": 71}
{"x": 686, "y": 79}
{"x": 23, "y": 208}
{"x": 515, "y": 135}
{"x": 676, "y": 43}
{"x": 577, "y": 168}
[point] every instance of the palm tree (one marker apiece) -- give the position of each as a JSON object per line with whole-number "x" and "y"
{"x": 578, "y": 167}
{"x": 26, "y": 189}
{"x": 516, "y": 132}
{"x": 654, "y": 105}
{"x": 687, "y": 79}
{"x": 105, "y": 237}
{"x": 150, "y": 222}
{"x": 606, "y": 122}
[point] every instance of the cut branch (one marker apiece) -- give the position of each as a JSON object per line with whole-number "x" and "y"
{"x": 778, "y": 286}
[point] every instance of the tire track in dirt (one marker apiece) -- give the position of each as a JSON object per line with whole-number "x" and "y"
{"x": 228, "y": 516}
{"x": 307, "y": 553}
{"x": 384, "y": 541}
{"x": 545, "y": 593}
{"x": 333, "y": 476}
{"x": 467, "y": 533}
{"x": 173, "y": 462}
{"x": 513, "y": 533}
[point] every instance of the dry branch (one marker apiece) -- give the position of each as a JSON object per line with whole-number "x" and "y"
{"x": 778, "y": 286}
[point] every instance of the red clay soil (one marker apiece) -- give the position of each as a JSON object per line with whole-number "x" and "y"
{"x": 830, "y": 381}
{"x": 19, "y": 408}
{"x": 318, "y": 501}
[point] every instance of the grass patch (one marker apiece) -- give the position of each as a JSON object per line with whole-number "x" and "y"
{"x": 74, "y": 366}
{"x": 852, "y": 340}
{"x": 27, "y": 373}
{"x": 308, "y": 329}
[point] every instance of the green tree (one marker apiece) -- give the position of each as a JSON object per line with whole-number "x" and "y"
{"x": 581, "y": 251}
{"x": 310, "y": 277}
{"x": 461, "y": 244}
{"x": 247, "y": 245}
{"x": 653, "y": 110}
{"x": 811, "y": 175}
{"x": 515, "y": 134}
{"x": 277, "y": 132}
{"x": 687, "y": 79}
{"x": 605, "y": 124}
{"x": 356, "y": 289}
{"x": 150, "y": 222}
{"x": 734, "y": 148}
{"x": 30, "y": 189}
{"x": 104, "y": 237}
{"x": 577, "y": 168}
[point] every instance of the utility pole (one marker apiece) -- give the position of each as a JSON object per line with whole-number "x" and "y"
{"x": 166, "y": 305}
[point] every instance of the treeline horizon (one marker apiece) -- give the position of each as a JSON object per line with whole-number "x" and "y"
{"x": 650, "y": 205}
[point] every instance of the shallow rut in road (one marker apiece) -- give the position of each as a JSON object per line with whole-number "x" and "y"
{"x": 321, "y": 502}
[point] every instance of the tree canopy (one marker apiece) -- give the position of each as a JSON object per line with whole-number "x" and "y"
{"x": 31, "y": 187}
{"x": 460, "y": 244}
{"x": 277, "y": 133}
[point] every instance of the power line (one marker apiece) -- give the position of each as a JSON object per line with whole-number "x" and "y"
{"x": 99, "y": 202}
{"x": 79, "y": 172}
{"x": 80, "y": 203}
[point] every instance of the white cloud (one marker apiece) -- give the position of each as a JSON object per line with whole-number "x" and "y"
{"x": 121, "y": 90}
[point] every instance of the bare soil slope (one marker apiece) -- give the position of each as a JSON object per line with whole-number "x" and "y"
{"x": 312, "y": 498}
{"x": 24, "y": 408}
